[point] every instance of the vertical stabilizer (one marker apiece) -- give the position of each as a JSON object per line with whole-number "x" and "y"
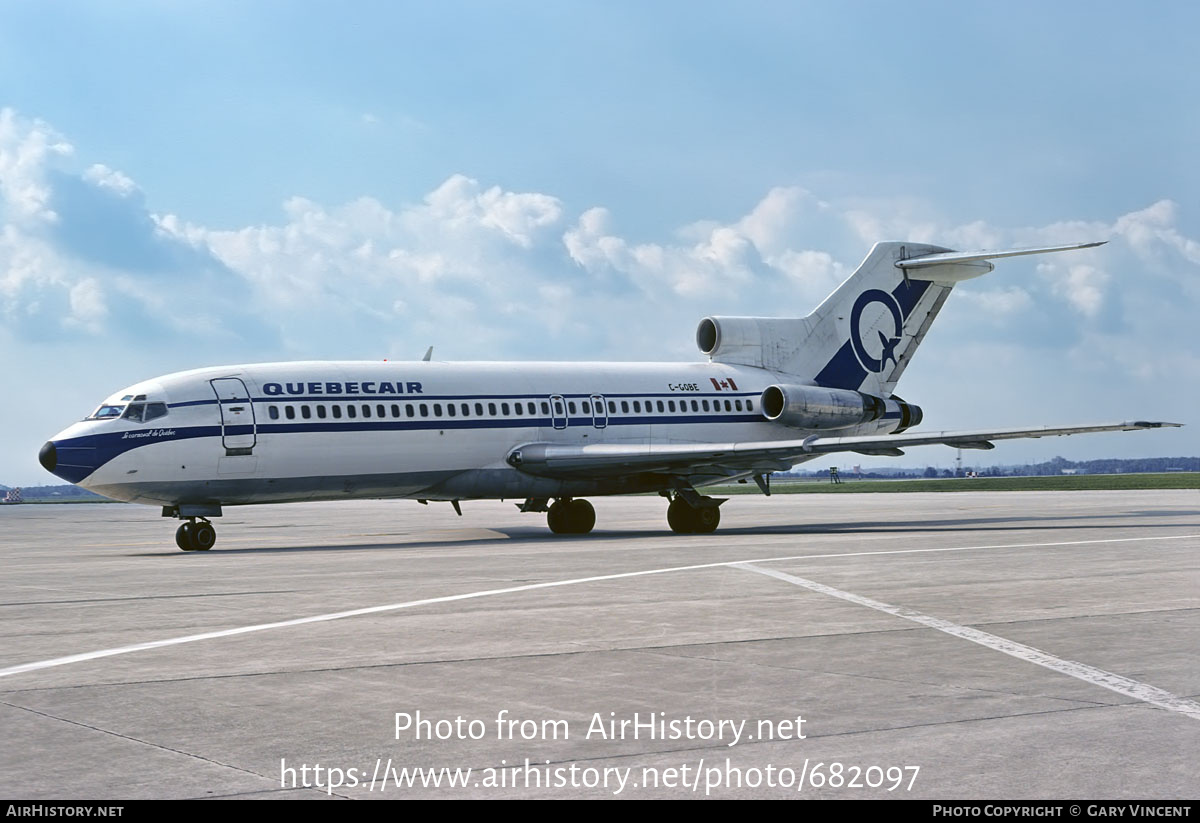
{"x": 865, "y": 333}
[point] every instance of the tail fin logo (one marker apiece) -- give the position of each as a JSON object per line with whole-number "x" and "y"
{"x": 887, "y": 345}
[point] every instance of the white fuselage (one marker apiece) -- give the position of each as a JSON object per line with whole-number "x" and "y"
{"x": 279, "y": 432}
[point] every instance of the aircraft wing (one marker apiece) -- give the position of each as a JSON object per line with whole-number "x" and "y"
{"x": 727, "y": 459}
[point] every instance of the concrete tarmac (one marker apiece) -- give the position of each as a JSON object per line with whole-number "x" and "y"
{"x": 970, "y": 645}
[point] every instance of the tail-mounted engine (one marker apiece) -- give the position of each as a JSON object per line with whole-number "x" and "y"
{"x": 816, "y": 408}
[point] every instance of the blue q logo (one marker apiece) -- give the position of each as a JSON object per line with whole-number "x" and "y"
{"x": 888, "y": 344}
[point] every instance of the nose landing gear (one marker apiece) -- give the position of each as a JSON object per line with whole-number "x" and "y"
{"x": 194, "y": 536}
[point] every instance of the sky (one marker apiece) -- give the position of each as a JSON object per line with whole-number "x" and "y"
{"x": 200, "y": 183}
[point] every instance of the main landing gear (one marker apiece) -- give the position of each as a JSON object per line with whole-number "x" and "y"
{"x": 688, "y": 513}
{"x": 567, "y": 516}
{"x": 196, "y": 535}
{"x": 693, "y": 513}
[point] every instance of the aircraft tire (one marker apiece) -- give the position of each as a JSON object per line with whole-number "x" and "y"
{"x": 707, "y": 519}
{"x": 203, "y": 537}
{"x": 681, "y": 517}
{"x": 558, "y": 518}
{"x": 183, "y": 537}
{"x": 582, "y": 517}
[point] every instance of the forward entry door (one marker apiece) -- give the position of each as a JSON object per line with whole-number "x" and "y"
{"x": 239, "y": 433}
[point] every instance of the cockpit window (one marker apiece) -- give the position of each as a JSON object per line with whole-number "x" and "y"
{"x": 155, "y": 410}
{"x": 106, "y": 411}
{"x": 135, "y": 411}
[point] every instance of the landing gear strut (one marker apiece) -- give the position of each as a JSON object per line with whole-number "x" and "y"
{"x": 195, "y": 535}
{"x": 698, "y": 515}
{"x": 567, "y": 516}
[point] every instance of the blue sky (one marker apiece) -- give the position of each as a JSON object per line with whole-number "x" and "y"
{"x": 190, "y": 183}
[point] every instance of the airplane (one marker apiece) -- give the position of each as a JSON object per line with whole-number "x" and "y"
{"x": 771, "y": 393}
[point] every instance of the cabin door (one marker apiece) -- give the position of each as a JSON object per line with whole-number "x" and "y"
{"x": 558, "y": 411}
{"x": 239, "y": 434}
{"x": 599, "y": 412}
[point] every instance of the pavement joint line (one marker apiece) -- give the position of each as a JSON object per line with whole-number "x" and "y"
{"x": 132, "y": 739}
{"x": 323, "y": 618}
{"x": 1142, "y": 692}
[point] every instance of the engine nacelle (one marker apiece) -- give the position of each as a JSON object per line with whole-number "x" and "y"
{"x": 812, "y": 407}
{"x": 730, "y": 337}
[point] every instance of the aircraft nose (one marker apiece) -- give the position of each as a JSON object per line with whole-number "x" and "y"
{"x": 48, "y": 456}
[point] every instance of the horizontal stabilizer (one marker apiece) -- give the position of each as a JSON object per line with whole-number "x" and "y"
{"x": 955, "y": 257}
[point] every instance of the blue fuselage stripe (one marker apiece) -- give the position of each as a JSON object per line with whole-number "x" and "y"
{"x": 80, "y": 456}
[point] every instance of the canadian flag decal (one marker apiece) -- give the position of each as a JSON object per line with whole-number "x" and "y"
{"x": 722, "y": 385}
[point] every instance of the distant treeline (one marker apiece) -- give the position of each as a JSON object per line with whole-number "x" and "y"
{"x": 1056, "y": 466}
{"x": 30, "y": 493}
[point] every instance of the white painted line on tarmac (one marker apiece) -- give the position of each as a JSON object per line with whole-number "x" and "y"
{"x": 324, "y": 618}
{"x": 1143, "y": 692}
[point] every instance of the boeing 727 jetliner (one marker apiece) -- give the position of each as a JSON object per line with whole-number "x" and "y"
{"x": 772, "y": 393}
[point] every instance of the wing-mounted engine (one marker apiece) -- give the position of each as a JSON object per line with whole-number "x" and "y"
{"x": 815, "y": 408}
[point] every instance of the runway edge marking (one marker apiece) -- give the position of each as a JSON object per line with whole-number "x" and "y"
{"x": 1136, "y": 689}
{"x": 322, "y": 618}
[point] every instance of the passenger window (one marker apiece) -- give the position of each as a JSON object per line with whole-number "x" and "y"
{"x": 366, "y": 410}
{"x": 306, "y": 412}
{"x": 704, "y": 403}
{"x": 479, "y": 410}
{"x": 558, "y": 408}
{"x": 290, "y": 412}
{"x": 612, "y": 406}
{"x": 450, "y": 410}
{"x": 492, "y": 409}
{"x": 625, "y": 406}
{"x": 671, "y": 405}
{"x": 532, "y": 407}
{"x": 545, "y": 408}
{"x": 571, "y": 406}
{"x": 409, "y": 411}
{"x": 587, "y": 407}
{"x": 637, "y": 407}
{"x": 749, "y": 405}
{"x": 273, "y": 412}
{"x": 337, "y": 412}
{"x": 661, "y": 408}
{"x": 351, "y": 411}
{"x": 437, "y": 409}
{"x": 728, "y": 406}
{"x": 321, "y": 412}
{"x": 424, "y": 410}
{"x": 380, "y": 411}
{"x": 395, "y": 410}
{"x": 695, "y": 406}
{"x": 466, "y": 409}
{"x": 518, "y": 408}
{"x": 504, "y": 409}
